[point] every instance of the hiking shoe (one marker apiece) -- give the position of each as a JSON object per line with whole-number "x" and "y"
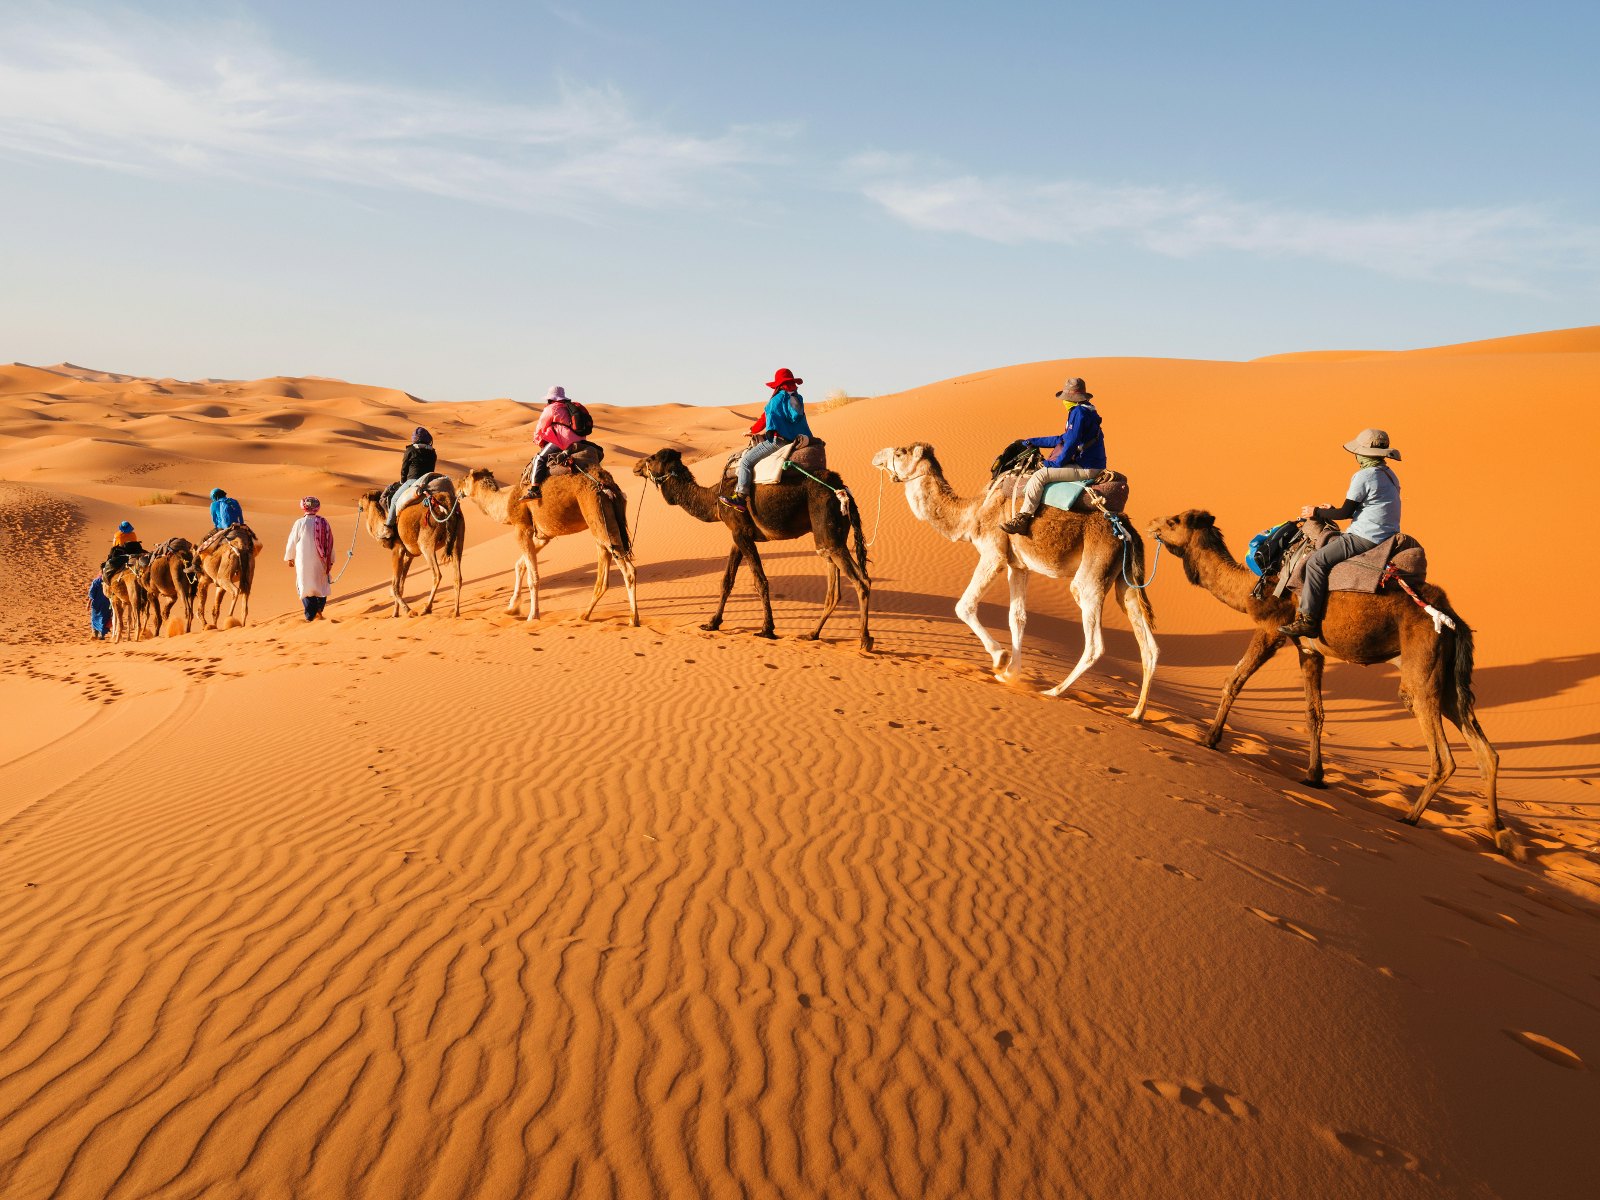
{"x": 533, "y": 493}
{"x": 736, "y": 502}
{"x": 1301, "y": 626}
{"x": 1020, "y": 525}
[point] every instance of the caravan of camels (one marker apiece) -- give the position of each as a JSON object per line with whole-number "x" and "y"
{"x": 1052, "y": 507}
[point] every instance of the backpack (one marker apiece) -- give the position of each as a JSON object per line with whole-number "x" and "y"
{"x": 1269, "y": 546}
{"x": 1017, "y": 456}
{"x": 582, "y": 422}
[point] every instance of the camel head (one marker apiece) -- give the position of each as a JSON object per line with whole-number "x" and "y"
{"x": 907, "y": 462}
{"x": 665, "y": 463}
{"x": 478, "y": 477}
{"x": 1193, "y": 526}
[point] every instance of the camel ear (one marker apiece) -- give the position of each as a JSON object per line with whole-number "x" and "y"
{"x": 917, "y": 451}
{"x": 1202, "y": 520}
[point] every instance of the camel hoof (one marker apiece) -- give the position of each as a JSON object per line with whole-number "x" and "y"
{"x": 1506, "y": 842}
{"x": 712, "y": 626}
{"x": 1313, "y": 782}
{"x": 1211, "y": 739}
{"x": 866, "y": 645}
{"x": 768, "y": 634}
{"x": 1410, "y": 820}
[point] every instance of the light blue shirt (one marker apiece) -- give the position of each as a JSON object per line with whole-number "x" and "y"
{"x": 1376, "y": 493}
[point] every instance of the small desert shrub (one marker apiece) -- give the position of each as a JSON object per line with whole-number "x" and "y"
{"x": 837, "y": 398}
{"x": 157, "y": 498}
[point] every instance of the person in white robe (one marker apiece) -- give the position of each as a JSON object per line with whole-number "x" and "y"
{"x": 310, "y": 552}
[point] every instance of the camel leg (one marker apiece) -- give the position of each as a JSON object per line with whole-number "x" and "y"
{"x": 1148, "y": 651}
{"x": 1488, "y": 765}
{"x": 455, "y": 563}
{"x": 1017, "y": 580}
{"x": 1444, "y": 762}
{"x": 831, "y": 600}
{"x": 729, "y": 573}
{"x": 602, "y": 578}
{"x": 1263, "y": 645}
{"x": 630, "y": 582}
{"x": 1311, "y": 664}
{"x": 402, "y": 568}
{"x": 863, "y": 595}
{"x": 989, "y": 567}
{"x": 517, "y": 569}
{"x": 430, "y": 555}
{"x": 768, "y": 630}
{"x": 1091, "y": 599}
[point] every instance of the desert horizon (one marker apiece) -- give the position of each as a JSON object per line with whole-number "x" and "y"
{"x": 494, "y": 905}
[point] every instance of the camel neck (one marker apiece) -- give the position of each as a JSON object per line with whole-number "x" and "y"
{"x": 933, "y": 500}
{"x": 1216, "y": 570}
{"x": 699, "y": 502}
{"x": 495, "y": 502}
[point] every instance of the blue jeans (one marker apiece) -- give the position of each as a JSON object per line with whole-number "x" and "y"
{"x": 747, "y": 464}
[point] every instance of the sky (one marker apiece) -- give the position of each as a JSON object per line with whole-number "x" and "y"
{"x": 652, "y": 203}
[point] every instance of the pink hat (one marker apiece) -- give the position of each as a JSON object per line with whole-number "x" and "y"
{"x": 555, "y": 393}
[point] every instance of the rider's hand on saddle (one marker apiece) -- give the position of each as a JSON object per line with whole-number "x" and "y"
{"x": 1308, "y": 511}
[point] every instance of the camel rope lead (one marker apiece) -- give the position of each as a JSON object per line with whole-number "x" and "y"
{"x": 1440, "y": 620}
{"x": 842, "y": 493}
{"x": 351, "y": 553}
{"x": 1127, "y": 542}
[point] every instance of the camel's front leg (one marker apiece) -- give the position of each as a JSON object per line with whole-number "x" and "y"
{"x": 517, "y": 568}
{"x": 735, "y": 557}
{"x": 990, "y": 564}
{"x": 1311, "y": 664}
{"x": 402, "y": 568}
{"x": 1263, "y": 645}
{"x": 1017, "y": 579}
{"x": 602, "y": 577}
{"x": 434, "y": 565}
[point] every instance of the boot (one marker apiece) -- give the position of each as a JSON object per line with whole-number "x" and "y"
{"x": 1020, "y": 525}
{"x": 736, "y": 503}
{"x": 534, "y": 492}
{"x": 1302, "y": 626}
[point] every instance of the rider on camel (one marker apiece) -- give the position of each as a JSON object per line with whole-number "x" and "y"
{"x": 557, "y": 430}
{"x": 419, "y": 461}
{"x": 782, "y": 422}
{"x": 1077, "y": 454}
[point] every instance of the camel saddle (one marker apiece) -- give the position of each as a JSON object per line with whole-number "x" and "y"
{"x": 1110, "y": 486}
{"x": 216, "y": 535}
{"x": 808, "y": 453}
{"x": 1363, "y": 573}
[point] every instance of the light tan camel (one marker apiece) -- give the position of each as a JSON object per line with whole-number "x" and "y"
{"x": 434, "y": 529}
{"x": 227, "y": 566}
{"x": 170, "y": 577}
{"x": 568, "y": 504}
{"x": 127, "y": 596}
{"x": 778, "y": 512}
{"x": 1435, "y": 666}
{"x": 1079, "y": 547}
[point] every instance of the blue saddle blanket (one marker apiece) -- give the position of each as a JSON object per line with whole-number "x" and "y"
{"x": 1063, "y": 495}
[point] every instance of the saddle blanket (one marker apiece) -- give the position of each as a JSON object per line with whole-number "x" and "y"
{"x": 1364, "y": 572}
{"x": 1069, "y": 496}
{"x": 809, "y": 453}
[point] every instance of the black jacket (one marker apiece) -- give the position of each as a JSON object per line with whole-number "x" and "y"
{"x": 419, "y": 460}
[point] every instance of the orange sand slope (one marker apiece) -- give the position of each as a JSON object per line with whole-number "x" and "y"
{"x": 483, "y": 907}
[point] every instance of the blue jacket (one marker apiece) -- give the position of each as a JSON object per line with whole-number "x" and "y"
{"x": 786, "y": 415}
{"x": 1080, "y": 444}
{"x": 226, "y": 511}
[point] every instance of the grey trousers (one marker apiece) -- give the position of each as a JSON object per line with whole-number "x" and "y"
{"x": 747, "y": 465}
{"x": 1314, "y": 594}
{"x": 1033, "y": 493}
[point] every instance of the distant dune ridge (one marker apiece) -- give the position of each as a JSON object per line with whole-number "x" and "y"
{"x": 485, "y": 908}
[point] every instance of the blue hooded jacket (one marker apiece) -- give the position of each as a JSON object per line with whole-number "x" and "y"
{"x": 1080, "y": 444}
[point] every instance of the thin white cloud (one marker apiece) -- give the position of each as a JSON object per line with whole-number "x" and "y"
{"x": 1517, "y": 247}
{"x": 220, "y": 101}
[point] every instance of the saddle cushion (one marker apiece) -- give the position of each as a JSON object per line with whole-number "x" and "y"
{"x": 1069, "y": 496}
{"x": 1364, "y": 572}
{"x": 806, "y": 452}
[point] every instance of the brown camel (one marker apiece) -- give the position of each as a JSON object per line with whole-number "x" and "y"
{"x": 227, "y": 566}
{"x": 170, "y": 577}
{"x": 127, "y": 596}
{"x": 1435, "y": 666}
{"x": 568, "y": 504}
{"x": 1079, "y": 547}
{"x": 434, "y": 530}
{"x": 779, "y": 512}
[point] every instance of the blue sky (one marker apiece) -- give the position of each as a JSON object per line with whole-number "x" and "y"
{"x": 649, "y": 202}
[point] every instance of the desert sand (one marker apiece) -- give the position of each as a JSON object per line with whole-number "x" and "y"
{"x": 490, "y": 908}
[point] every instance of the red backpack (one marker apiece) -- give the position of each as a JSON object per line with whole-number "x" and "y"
{"x": 582, "y": 422}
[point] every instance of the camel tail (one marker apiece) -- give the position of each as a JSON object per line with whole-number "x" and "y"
{"x": 247, "y": 566}
{"x": 1133, "y": 572}
{"x": 860, "y": 536}
{"x": 1461, "y": 671}
{"x": 619, "y": 513}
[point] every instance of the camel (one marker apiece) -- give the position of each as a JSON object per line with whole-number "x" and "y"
{"x": 778, "y": 513}
{"x": 127, "y": 597}
{"x": 569, "y": 504}
{"x": 170, "y": 577}
{"x": 227, "y": 565}
{"x": 1435, "y": 666}
{"x": 434, "y": 530}
{"x": 1079, "y": 547}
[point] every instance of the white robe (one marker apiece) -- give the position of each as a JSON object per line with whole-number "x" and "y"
{"x": 310, "y": 576}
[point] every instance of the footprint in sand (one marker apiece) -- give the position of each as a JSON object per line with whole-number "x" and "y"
{"x": 1071, "y": 830}
{"x": 1373, "y": 1150}
{"x": 1209, "y": 1098}
{"x": 1282, "y": 923}
{"x": 1547, "y": 1049}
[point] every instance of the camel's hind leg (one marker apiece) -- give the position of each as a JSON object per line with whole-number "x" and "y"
{"x": 830, "y": 601}
{"x": 1443, "y": 762}
{"x": 1091, "y": 593}
{"x": 990, "y": 564}
{"x": 602, "y": 577}
{"x": 1134, "y": 605}
{"x": 1311, "y": 664}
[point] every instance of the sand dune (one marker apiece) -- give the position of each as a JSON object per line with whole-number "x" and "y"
{"x": 486, "y": 908}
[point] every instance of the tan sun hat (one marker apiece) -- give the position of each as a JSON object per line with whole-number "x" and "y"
{"x": 1074, "y": 387}
{"x": 1372, "y": 443}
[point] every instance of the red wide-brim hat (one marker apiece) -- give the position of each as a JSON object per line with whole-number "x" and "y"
{"x": 783, "y": 378}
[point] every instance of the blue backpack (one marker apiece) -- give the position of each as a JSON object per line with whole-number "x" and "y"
{"x": 1269, "y": 546}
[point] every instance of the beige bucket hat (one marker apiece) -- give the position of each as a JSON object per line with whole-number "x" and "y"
{"x": 1372, "y": 443}
{"x": 1074, "y": 387}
